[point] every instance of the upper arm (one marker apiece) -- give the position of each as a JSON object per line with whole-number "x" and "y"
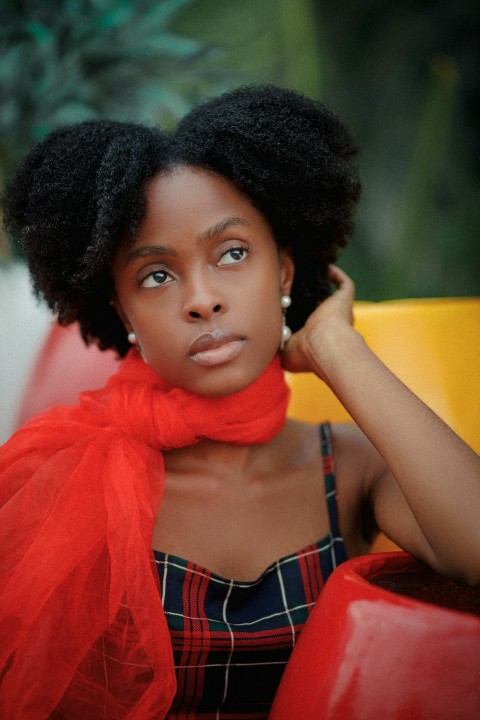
{"x": 370, "y": 499}
{"x": 391, "y": 511}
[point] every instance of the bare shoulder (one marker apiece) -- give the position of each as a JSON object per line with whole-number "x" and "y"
{"x": 352, "y": 446}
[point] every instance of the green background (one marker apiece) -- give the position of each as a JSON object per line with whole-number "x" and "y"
{"x": 404, "y": 76}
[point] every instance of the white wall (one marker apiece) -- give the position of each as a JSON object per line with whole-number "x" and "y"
{"x": 24, "y": 324}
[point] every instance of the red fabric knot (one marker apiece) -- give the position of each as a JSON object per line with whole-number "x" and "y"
{"x": 141, "y": 405}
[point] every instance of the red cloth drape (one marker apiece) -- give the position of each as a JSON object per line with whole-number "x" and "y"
{"x": 82, "y": 630}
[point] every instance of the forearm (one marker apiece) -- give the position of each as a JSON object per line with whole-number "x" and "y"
{"x": 437, "y": 473}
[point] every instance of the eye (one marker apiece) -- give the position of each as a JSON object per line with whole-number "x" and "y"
{"x": 155, "y": 278}
{"x": 234, "y": 255}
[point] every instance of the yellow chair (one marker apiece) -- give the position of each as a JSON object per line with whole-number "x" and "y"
{"x": 432, "y": 345}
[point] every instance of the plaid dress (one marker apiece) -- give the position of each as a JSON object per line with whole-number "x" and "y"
{"x": 231, "y": 640}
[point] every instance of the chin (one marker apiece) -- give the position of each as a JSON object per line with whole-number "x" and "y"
{"x": 225, "y": 380}
{"x": 221, "y": 389}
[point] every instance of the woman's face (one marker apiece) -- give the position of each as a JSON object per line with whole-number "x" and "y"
{"x": 201, "y": 284}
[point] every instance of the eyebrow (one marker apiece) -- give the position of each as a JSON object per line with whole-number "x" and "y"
{"x": 204, "y": 237}
{"x": 149, "y": 251}
{"x": 220, "y": 227}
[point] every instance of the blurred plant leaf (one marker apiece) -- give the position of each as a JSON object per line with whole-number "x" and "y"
{"x": 71, "y": 60}
{"x": 415, "y": 222}
{"x": 68, "y": 60}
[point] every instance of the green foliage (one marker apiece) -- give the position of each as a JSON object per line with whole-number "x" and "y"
{"x": 407, "y": 82}
{"x": 404, "y": 76}
{"x": 305, "y": 62}
{"x": 274, "y": 41}
{"x": 69, "y": 60}
{"x": 415, "y": 219}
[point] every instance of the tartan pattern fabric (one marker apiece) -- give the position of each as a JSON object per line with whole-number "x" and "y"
{"x": 231, "y": 640}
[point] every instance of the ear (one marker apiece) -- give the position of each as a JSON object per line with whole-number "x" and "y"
{"x": 287, "y": 271}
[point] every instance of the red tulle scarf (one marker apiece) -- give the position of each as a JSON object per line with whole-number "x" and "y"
{"x": 83, "y": 635}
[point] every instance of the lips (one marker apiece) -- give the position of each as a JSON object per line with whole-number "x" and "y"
{"x": 216, "y": 348}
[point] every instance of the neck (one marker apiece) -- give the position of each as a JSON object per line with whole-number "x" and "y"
{"x": 228, "y": 461}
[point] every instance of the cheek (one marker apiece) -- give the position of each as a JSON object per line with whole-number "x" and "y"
{"x": 158, "y": 330}
{"x": 266, "y": 316}
{"x": 152, "y": 324}
{"x": 264, "y": 304}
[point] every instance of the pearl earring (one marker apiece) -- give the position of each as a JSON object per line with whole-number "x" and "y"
{"x": 285, "y": 302}
{"x": 132, "y": 338}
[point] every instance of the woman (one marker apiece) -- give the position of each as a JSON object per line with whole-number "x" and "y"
{"x": 196, "y": 255}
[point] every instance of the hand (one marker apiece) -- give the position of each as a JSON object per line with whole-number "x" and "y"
{"x": 304, "y": 350}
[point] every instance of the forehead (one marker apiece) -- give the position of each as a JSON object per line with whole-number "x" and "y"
{"x": 193, "y": 195}
{"x": 187, "y": 203}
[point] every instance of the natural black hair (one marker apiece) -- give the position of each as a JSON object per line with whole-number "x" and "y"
{"x": 81, "y": 192}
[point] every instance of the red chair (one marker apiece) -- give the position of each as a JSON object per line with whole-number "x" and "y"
{"x": 64, "y": 368}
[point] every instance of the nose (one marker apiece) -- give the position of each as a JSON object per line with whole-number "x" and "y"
{"x": 202, "y": 300}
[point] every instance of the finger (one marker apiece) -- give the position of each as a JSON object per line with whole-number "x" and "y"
{"x": 341, "y": 279}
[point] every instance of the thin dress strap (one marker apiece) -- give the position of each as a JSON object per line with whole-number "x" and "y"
{"x": 330, "y": 490}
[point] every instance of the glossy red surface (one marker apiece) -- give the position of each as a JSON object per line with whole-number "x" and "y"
{"x": 372, "y": 653}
